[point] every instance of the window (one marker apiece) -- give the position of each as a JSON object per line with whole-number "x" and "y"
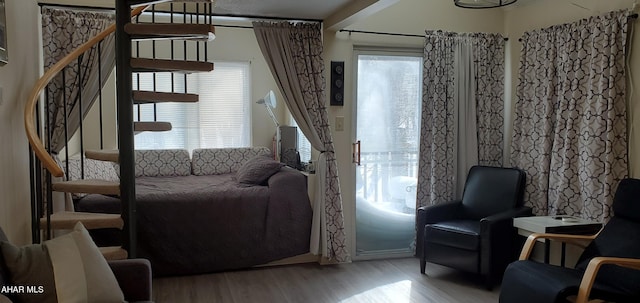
{"x": 220, "y": 119}
{"x": 304, "y": 146}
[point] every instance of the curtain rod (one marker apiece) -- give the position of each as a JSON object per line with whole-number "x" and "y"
{"x": 75, "y": 6}
{"x": 233, "y": 26}
{"x": 388, "y": 34}
{"x": 379, "y": 33}
{"x": 267, "y": 17}
{"x": 632, "y": 16}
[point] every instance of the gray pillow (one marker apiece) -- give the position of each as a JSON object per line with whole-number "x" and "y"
{"x": 30, "y": 266}
{"x": 257, "y": 170}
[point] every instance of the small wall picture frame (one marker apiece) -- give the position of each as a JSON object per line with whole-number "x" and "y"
{"x": 4, "y": 58}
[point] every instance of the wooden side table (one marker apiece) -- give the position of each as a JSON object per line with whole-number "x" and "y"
{"x": 555, "y": 225}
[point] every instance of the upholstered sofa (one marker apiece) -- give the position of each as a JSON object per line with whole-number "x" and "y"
{"x": 219, "y": 209}
{"x": 132, "y": 275}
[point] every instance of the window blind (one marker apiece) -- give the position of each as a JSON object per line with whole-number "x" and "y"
{"x": 221, "y": 118}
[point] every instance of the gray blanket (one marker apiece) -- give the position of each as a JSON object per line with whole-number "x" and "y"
{"x": 201, "y": 224}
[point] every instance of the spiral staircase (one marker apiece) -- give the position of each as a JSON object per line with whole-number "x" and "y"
{"x": 163, "y": 20}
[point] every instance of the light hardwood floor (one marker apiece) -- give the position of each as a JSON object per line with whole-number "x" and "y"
{"x": 394, "y": 280}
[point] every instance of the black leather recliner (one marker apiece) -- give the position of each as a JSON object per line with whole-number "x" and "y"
{"x": 475, "y": 234}
{"x": 608, "y": 269}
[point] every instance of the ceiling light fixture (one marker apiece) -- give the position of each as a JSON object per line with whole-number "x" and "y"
{"x": 482, "y": 3}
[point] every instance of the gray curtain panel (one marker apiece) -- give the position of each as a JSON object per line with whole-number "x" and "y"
{"x": 294, "y": 55}
{"x": 570, "y": 125}
{"x": 488, "y": 56}
{"x": 63, "y": 31}
{"x": 462, "y": 111}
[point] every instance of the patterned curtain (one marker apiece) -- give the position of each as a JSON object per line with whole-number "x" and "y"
{"x": 294, "y": 55}
{"x": 438, "y": 179}
{"x": 570, "y": 130}
{"x": 489, "y": 67}
{"x": 62, "y": 32}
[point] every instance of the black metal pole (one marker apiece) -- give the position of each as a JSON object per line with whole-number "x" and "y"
{"x": 184, "y": 43}
{"x": 197, "y": 22}
{"x": 80, "y": 117}
{"x": 65, "y": 124}
{"x": 35, "y": 219}
{"x": 138, "y": 106}
{"x": 125, "y": 129}
{"x": 173, "y": 90}
{"x": 36, "y": 181}
{"x": 39, "y": 171}
{"x": 206, "y": 44}
{"x": 100, "y": 94}
{"x": 47, "y": 181}
{"x": 153, "y": 55}
{"x": 49, "y": 204}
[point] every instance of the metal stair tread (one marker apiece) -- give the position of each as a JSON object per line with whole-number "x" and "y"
{"x": 151, "y": 126}
{"x": 114, "y": 252}
{"x": 140, "y": 97}
{"x": 166, "y": 65}
{"x": 88, "y": 186}
{"x": 68, "y": 219}
{"x": 182, "y": 31}
{"x": 110, "y": 155}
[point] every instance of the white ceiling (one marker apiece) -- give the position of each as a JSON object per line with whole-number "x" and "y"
{"x": 330, "y": 11}
{"x": 304, "y": 9}
{"x": 291, "y": 9}
{"x": 326, "y": 10}
{"x": 314, "y": 9}
{"x": 336, "y": 14}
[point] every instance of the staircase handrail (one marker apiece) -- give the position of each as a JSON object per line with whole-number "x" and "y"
{"x": 29, "y": 111}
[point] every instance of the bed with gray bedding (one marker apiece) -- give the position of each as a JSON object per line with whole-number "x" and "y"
{"x": 193, "y": 224}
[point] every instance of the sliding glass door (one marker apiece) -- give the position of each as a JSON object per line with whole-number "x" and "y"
{"x": 389, "y": 94}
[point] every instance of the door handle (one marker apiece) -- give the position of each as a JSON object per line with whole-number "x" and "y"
{"x": 355, "y": 153}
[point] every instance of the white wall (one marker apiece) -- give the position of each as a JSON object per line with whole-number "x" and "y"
{"x": 16, "y": 79}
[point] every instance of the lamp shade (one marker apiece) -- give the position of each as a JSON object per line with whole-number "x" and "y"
{"x": 270, "y": 99}
{"x": 482, "y": 3}
{"x": 269, "y": 102}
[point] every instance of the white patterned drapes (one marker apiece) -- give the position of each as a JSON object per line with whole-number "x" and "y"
{"x": 570, "y": 131}
{"x": 63, "y": 31}
{"x": 445, "y": 114}
{"x": 294, "y": 55}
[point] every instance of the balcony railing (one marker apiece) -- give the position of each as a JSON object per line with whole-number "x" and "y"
{"x": 388, "y": 178}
